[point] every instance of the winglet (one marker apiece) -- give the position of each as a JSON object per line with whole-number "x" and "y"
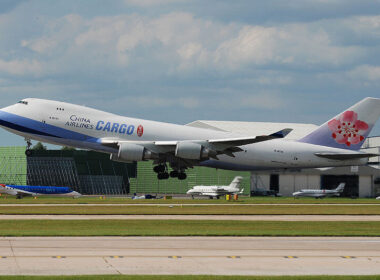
{"x": 282, "y": 133}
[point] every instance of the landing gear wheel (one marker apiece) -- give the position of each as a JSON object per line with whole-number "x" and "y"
{"x": 174, "y": 174}
{"x": 159, "y": 168}
{"x": 28, "y": 152}
{"x": 182, "y": 176}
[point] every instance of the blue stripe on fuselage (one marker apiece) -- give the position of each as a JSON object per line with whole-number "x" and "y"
{"x": 43, "y": 189}
{"x": 30, "y": 126}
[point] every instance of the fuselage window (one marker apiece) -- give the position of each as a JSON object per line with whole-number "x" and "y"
{"x": 23, "y": 102}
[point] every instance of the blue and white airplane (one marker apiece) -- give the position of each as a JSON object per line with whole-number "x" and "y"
{"x": 21, "y": 191}
{"x": 335, "y": 143}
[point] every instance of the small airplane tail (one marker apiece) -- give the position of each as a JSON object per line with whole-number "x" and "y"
{"x": 340, "y": 188}
{"x": 236, "y": 182}
{"x": 241, "y": 191}
{"x": 349, "y": 129}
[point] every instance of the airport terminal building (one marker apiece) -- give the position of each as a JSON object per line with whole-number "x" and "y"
{"x": 93, "y": 173}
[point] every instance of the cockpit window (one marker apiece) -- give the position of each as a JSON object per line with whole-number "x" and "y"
{"x": 23, "y": 102}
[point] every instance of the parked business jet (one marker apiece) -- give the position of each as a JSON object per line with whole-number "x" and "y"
{"x": 335, "y": 143}
{"x": 217, "y": 191}
{"x": 21, "y": 191}
{"x": 378, "y": 197}
{"x": 320, "y": 193}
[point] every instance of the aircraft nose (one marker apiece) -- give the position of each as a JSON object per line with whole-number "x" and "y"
{"x": 76, "y": 194}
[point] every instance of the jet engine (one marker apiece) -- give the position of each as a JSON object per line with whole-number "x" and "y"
{"x": 190, "y": 150}
{"x": 132, "y": 152}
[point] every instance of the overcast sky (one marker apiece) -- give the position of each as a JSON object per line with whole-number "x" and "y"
{"x": 179, "y": 61}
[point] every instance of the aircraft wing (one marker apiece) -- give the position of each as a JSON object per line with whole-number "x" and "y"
{"x": 19, "y": 192}
{"x": 251, "y": 140}
{"x": 319, "y": 195}
{"x": 210, "y": 194}
{"x": 214, "y": 146}
{"x": 182, "y": 154}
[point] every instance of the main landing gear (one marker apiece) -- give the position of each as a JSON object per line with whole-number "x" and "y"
{"x": 163, "y": 174}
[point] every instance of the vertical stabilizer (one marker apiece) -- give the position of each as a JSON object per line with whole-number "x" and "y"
{"x": 349, "y": 129}
{"x": 340, "y": 188}
{"x": 236, "y": 182}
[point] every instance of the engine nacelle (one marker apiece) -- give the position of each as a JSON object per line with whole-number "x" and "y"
{"x": 131, "y": 152}
{"x": 190, "y": 150}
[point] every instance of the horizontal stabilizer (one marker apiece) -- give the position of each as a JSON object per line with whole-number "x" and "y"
{"x": 345, "y": 156}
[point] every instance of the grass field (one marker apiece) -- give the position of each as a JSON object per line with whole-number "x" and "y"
{"x": 197, "y": 210}
{"x": 242, "y": 200}
{"x": 189, "y": 277}
{"x": 184, "y": 228}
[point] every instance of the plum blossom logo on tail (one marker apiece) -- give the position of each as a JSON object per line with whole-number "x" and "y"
{"x": 140, "y": 130}
{"x": 347, "y": 129}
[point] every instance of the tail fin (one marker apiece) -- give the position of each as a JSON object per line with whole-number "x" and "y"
{"x": 349, "y": 129}
{"x": 340, "y": 188}
{"x": 236, "y": 182}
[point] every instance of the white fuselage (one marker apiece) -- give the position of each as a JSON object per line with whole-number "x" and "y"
{"x": 212, "y": 191}
{"x": 316, "y": 193}
{"x": 82, "y": 127}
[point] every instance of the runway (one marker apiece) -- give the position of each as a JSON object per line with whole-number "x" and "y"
{"x": 362, "y": 218}
{"x": 184, "y": 204}
{"x": 189, "y": 255}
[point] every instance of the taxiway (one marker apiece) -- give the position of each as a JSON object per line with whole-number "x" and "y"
{"x": 189, "y": 255}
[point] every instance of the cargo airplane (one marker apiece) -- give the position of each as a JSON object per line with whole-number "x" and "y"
{"x": 335, "y": 143}
{"x": 217, "y": 191}
{"x": 21, "y": 191}
{"x": 320, "y": 193}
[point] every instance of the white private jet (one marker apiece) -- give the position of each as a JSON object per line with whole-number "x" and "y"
{"x": 378, "y": 197}
{"x": 335, "y": 143}
{"x": 217, "y": 191}
{"x": 320, "y": 193}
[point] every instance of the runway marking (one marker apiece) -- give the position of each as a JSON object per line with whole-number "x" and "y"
{"x": 254, "y": 217}
{"x": 189, "y": 256}
{"x": 194, "y": 204}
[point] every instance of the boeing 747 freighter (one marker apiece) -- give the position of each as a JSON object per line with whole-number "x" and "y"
{"x": 335, "y": 143}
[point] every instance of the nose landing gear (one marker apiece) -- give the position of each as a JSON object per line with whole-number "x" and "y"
{"x": 28, "y": 151}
